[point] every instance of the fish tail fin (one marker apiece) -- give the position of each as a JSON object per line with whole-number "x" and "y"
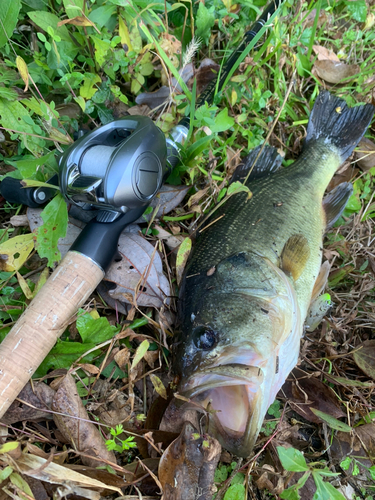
{"x": 333, "y": 121}
{"x": 260, "y": 162}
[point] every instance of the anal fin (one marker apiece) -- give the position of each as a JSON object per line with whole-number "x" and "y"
{"x": 335, "y": 201}
{"x": 317, "y": 310}
{"x": 268, "y": 162}
{"x": 295, "y": 255}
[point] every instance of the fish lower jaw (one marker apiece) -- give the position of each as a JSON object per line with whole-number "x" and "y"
{"x": 233, "y": 412}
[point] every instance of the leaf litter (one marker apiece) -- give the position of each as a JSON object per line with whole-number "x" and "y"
{"x": 121, "y": 382}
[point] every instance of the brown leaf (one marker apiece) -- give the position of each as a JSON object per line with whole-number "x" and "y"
{"x": 335, "y": 71}
{"x": 188, "y": 465}
{"x": 50, "y": 472}
{"x": 80, "y": 431}
{"x": 365, "y": 154}
{"x": 305, "y": 392}
{"x": 360, "y": 443}
{"x": 77, "y": 21}
{"x": 365, "y": 357}
{"x": 167, "y": 199}
{"x": 40, "y": 398}
{"x": 122, "y": 358}
{"x": 324, "y": 53}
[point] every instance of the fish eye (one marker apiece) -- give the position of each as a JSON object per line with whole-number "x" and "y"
{"x": 205, "y": 337}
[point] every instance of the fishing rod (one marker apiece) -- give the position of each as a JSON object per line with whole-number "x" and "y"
{"x": 116, "y": 169}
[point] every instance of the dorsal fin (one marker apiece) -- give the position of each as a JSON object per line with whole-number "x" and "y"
{"x": 294, "y": 256}
{"x": 268, "y": 162}
{"x": 334, "y": 203}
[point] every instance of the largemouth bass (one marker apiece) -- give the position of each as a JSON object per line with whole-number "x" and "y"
{"x": 251, "y": 276}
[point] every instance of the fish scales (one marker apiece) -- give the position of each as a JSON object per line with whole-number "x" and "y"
{"x": 250, "y": 279}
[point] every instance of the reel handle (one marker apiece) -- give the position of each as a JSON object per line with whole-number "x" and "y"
{"x": 44, "y": 320}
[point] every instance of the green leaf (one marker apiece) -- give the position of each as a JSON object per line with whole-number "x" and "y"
{"x": 29, "y": 166}
{"x": 46, "y": 19}
{"x": 64, "y": 354}
{"x": 292, "y": 459}
{"x": 9, "y": 10}
{"x": 222, "y": 120}
{"x": 5, "y": 473}
{"x": 95, "y": 330}
{"x": 204, "y": 22}
{"x": 198, "y": 147}
{"x": 7, "y": 93}
{"x": 55, "y": 217}
{"x": 101, "y": 49}
{"x": 236, "y": 491}
{"x": 88, "y": 90}
{"x": 292, "y": 492}
{"x": 345, "y": 464}
{"x": 325, "y": 491}
{"x": 140, "y": 352}
{"x": 238, "y": 187}
{"x": 358, "y": 10}
{"x": 73, "y": 8}
{"x": 12, "y": 115}
{"x": 331, "y": 421}
{"x": 101, "y": 15}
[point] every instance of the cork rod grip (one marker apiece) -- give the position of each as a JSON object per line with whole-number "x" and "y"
{"x": 45, "y": 319}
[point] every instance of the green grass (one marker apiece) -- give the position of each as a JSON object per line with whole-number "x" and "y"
{"x": 84, "y": 76}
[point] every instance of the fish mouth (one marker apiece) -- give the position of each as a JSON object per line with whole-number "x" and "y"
{"x": 232, "y": 396}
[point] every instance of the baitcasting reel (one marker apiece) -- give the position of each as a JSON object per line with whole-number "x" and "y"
{"x": 117, "y": 167}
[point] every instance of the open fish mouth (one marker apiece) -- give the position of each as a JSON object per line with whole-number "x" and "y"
{"x": 232, "y": 396}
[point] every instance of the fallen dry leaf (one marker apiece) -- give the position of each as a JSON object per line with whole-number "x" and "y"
{"x": 304, "y": 392}
{"x": 365, "y": 154}
{"x": 39, "y": 397}
{"x": 188, "y": 466}
{"x": 365, "y": 357}
{"x": 335, "y": 71}
{"x": 182, "y": 257}
{"x": 80, "y": 431}
{"x": 324, "y": 53}
{"x": 39, "y": 468}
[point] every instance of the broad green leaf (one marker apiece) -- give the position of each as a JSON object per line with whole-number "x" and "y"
{"x": 349, "y": 382}
{"x": 331, "y": 421}
{"x": 238, "y": 187}
{"x": 236, "y": 491}
{"x": 21, "y": 484}
{"x": 15, "y": 251}
{"x": 292, "y": 492}
{"x": 88, "y": 90}
{"x": 29, "y": 166}
{"x": 182, "y": 257}
{"x": 12, "y": 116}
{"x": 292, "y": 459}
{"x": 64, "y": 354}
{"x": 9, "y": 10}
{"x": 204, "y": 22}
{"x": 96, "y": 330}
{"x": 140, "y": 352}
{"x": 124, "y": 34}
{"x": 81, "y": 102}
{"x": 101, "y": 15}
{"x": 7, "y": 447}
{"x": 5, "y": 473}
{"x": 358, "y": 10}
{"x": 7, "y": 93}
{"x": 345, "y": 464}
{"x": 198, "y": 147}
{"x": 46, "y": 19}
{"x": 73, "y": 8}
{"x": 222, "y": 120}
{"x": 55, "y": 217}
{"x": 101, "y": 49}
{"x": 325, "y": 490}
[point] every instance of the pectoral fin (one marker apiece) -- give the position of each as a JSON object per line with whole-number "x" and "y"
{"x": 294, "y": 256}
